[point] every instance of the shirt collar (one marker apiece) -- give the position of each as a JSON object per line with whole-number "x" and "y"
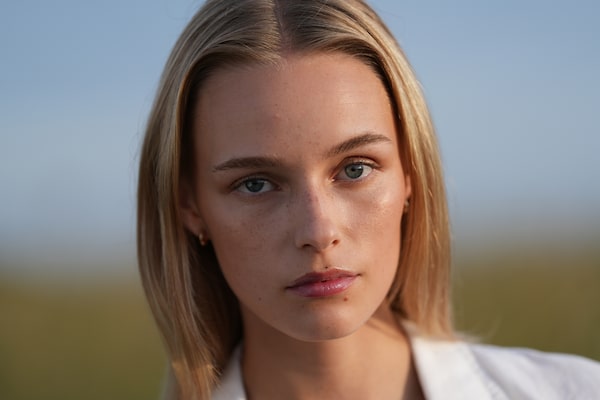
{"x": 447, "y": 369}
{"x": 232, "y": 384}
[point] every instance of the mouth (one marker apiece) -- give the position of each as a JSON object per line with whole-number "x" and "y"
{"x": 322, "y": 284}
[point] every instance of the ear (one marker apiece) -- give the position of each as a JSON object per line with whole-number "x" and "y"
{"x": 188, "y": 209}
{"x": 407, "y": 186}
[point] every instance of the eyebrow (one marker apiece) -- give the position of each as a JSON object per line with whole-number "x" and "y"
{"x": 248, "y": 162}
{"x": 271, "y": 162}
{"x": 357, "y": 141}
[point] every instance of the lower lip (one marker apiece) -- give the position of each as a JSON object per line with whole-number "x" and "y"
{"x": 323, "y": 288}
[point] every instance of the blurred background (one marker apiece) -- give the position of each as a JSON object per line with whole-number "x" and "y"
{"x": 515, "y": 94}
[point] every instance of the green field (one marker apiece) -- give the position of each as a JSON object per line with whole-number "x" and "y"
{"x": 77, "y": 341}
{"x": 97, "y": 341}
{"x": 549, "y": 302}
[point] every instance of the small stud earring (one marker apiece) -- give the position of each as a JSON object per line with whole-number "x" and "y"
{"x": 203, "y": 239}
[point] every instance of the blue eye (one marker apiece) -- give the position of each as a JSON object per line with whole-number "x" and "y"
{"x": 356, "y": 171}
{"x": 255, "y": 186}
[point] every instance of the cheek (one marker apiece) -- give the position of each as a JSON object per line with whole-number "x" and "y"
{"x": 382, "y": 212}
{"x": 381, "y": 230}
{"x": 244, "y": 245}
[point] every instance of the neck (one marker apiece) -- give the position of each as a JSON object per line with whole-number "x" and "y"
{"x": 372, "y": 362}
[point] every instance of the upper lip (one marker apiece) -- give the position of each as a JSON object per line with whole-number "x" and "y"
{"x": 313, "y": 277}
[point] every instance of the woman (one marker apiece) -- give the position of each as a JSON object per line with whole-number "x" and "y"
{"x": 292, "y": 225}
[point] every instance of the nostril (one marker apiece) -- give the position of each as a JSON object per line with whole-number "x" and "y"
{"x": 318, "y": 242}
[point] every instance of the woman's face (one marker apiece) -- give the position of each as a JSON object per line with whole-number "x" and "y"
{"x": 299, "y": 186}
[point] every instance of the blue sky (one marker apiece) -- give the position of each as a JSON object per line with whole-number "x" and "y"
{"x": 513, "y": 87}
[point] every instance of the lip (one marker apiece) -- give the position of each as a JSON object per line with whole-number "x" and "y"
{"x": 322, "y": 284}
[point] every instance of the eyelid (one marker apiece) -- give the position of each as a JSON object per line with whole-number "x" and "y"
{"x": 360, "y": 160}
{"x": 367, "y": 161}
{"x": 235, "y": 186}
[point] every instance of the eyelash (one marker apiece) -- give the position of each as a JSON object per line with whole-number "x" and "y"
{"x": 238, "y": 185}
{"x": 363, "y": 162}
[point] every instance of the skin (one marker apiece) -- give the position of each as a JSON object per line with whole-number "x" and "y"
{"x": 297, "y": 171}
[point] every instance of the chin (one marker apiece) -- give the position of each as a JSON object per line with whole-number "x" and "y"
{"x": 324, "y": 326}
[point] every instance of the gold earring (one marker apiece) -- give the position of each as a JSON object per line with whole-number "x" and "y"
{"x": 203, "y": 239}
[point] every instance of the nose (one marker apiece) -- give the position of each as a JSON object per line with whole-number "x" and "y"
{"x": 317, "y": 220}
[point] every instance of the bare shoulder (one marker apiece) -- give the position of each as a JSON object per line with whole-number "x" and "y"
{"x": 550, "y": 375}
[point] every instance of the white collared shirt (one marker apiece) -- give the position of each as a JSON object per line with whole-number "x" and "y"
{"x": 449, "y": 370}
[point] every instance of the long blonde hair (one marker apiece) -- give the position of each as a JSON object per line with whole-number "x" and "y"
{"x": 195, "y": 310}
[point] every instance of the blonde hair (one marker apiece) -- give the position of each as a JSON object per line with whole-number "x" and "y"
{"x": 195, "y": 310}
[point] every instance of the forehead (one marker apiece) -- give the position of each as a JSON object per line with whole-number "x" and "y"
{"x": 304, "y": 99}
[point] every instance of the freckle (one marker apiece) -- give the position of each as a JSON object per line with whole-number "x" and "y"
{"x": 345, "y": 299}
{"x": 260, "y": 299}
